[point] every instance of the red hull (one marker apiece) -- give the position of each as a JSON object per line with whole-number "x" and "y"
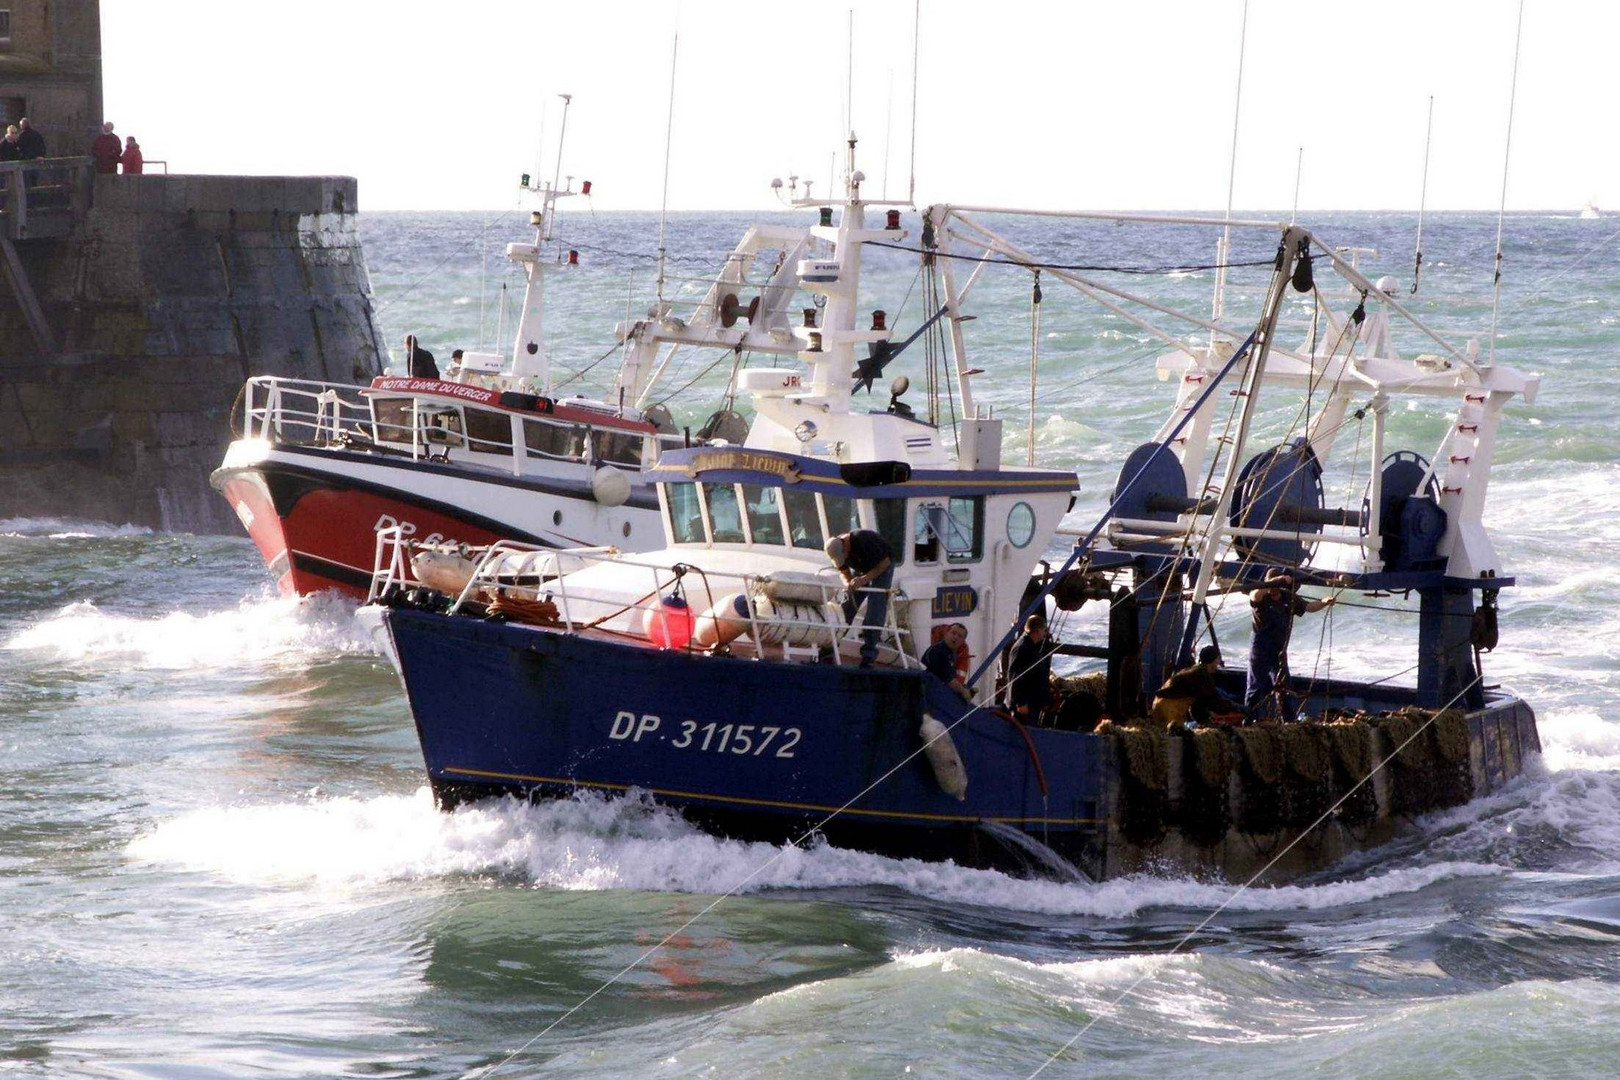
{"x": 326, "y": 538}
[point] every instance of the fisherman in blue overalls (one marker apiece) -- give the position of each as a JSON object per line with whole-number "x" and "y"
{"x": 1275, "y": 605}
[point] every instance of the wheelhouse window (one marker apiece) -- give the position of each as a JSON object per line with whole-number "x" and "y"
{"x": 5, "y": 28}
{"x": 804, "y": 520}
{"x": 725, "y": 516}
{"x": 842, "y": 514}
{"x": 616, "y": 447}
{"x": 489, "y": 432}
{"x": 764, "y": 506}
{"x": 392, "y": 418}
{"x": 953, "y": 530}
{"x": 890, "y": 515}
{"x": 685, "y": 513}
{"x": 442, "y": 426}
{"x": 549, "y": 439}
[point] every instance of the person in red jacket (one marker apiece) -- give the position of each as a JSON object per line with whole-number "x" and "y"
{"x": 106, "y": 150}
{"x": 131, "y": 161}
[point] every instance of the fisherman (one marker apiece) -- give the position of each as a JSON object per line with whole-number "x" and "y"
{"x": 940, "y": 659}
{"x": 131, "y": 160}
{"x": 866, "y": 564}
{"x": 1275, "y": 606}
{"x": 30, "y": 140}
{"x": 1191, "y": 693}
{"x": 419, "y": 362}
{"x": 10, "y": 148}
{"x": 1029, "y": 671}
{"x": 106, "y": 150}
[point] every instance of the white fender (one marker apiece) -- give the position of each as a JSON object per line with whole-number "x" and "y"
{"x": 610, "y": 486}
{"x": 444, "y": 570}
{"x": 723, "y": 623}
{"x": 942, "y": 755}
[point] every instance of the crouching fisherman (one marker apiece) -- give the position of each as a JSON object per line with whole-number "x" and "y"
{"x": 1191, "y": 693}
{"x": 864, "y": 561}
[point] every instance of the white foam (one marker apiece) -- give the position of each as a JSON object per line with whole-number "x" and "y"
{"x": 1579, "y": 739}
{"x": 50, "y": 528}
{"x": 594, "y": 843}
{"x": 285, "y": 629}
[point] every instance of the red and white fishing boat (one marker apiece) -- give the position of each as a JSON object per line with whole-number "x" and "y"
{"x": 488, "y": 452}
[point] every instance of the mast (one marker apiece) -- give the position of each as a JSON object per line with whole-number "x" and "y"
{"x": 529, "y": 359}
{"x": 1295, "y": 242}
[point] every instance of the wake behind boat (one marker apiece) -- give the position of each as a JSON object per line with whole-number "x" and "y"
{"x": 719, "y": 673}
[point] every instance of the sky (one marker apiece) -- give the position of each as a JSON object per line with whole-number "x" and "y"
{"x": 1030, "y": 103}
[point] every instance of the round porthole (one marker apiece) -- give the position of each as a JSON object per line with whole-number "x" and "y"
{"x": 556, "y": 517}
{"x": 1021, "y": 524}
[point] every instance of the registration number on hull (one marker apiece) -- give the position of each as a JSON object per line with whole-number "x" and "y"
{"x": 744, "y": 740}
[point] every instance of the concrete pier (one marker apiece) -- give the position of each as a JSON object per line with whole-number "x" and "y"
{"x": 165, "y": 296}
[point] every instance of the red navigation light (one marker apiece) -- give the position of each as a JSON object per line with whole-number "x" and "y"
{"x": 573, "y": 257}
{"x": 585, "y": 187}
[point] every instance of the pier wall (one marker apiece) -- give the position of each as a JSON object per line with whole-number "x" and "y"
{"x": 168, "y": 294}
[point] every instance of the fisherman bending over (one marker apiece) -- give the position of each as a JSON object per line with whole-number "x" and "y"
{"x": 1191, "y": 693}
{"x": 940, "y": 659}
{"x": 866, "y": 564}
{"x": 1029, "y": 671}
{"x": 1276, "y": 605}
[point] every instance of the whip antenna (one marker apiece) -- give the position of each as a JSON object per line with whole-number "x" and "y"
{"x": 1423, "y": 201}
{"x": 1501, "y": 210}
{"x": 1224, "y": 249}
{"x": 916, "y": 39}
{"x": 669, "y": 130}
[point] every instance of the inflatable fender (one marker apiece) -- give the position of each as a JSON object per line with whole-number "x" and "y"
{"x": 723, "y": 623}
{"x": 942, "y": 755}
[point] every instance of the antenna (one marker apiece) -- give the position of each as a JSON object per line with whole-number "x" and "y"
{"x": 1423, "y": 201}
{"x": 849, "y": 75}
{"x": 1224, "y": 248}
{"x": 1299, "y": 168}
{"x": 1501, "y": 210}
{"x": 916, "y": 39}
{"x": 888, "y": 130}
{"x": 669, "y": 131}
{"x": 562, "y": 133}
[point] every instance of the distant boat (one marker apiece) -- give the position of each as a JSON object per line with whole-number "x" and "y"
{"x": 1590, "y": 212}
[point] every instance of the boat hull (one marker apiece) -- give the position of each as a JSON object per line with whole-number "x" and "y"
{"x": 314, "y": 513}
{"x": 508, "y": 709}
{"x": 747, "y": 749}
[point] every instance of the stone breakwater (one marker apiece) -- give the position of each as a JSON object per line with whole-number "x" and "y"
{"x": 169, "y": 293}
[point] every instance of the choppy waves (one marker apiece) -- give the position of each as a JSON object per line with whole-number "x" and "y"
{"x": 282, "y": 630}
{"x": 593, "y": 843}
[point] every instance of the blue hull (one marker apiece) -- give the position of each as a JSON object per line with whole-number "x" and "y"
{"x": 751, "y": 750}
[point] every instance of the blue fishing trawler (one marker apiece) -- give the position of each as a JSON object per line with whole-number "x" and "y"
{"x": 721, "y": 674}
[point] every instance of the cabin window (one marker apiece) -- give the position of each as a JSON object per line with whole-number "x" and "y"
{"x": 393, "y": 419}
{"x": 489, "y": 432}
{"x": 550, "y": 440}
{"x": 764, "y": 513}
{"x": 616, "y": 447}
{"x": 5, "y": 28}
{"x": 842, "y": 514}
{"x": 804, "y": 520}
{"x": 954, "y": 528}
{"x": 725, "y": 516}
{"x": 441, "y": 426}
{"x": 891, "y": 525}
{"x": 685, "y": 513}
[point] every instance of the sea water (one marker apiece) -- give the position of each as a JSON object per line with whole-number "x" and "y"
{"x": 218, "y": 856}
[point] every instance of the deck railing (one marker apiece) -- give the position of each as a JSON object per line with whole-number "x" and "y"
{"x": 512, "y": 570}
{"x": 302, "y": 411}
